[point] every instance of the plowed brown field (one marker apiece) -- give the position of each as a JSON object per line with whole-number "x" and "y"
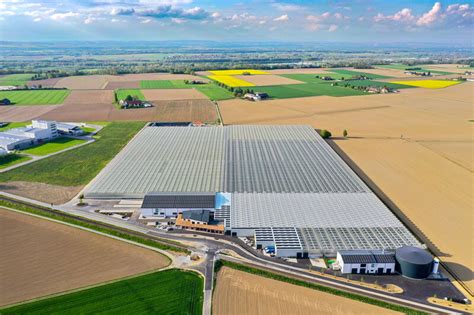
{"x": 238, "y": 292}
{"x": 41, "y": 257}
{"x": 113, "y": 85}
{"x": 24, "y": 113}
{"x": 172, "y": 94}
{"x": 42, "y": 192}
{"x": 407, "y": 144}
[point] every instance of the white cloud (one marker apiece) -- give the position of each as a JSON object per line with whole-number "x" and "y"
{"x": 404, "y": 15}
{"x": 282, "y": 18}
{"x": 457, "y": 8}
{"x": 431, "y": 16}
{"x": 37, "y": 20}
{"x": 63, "y": 16}
{"x": 216, "y": 15}
{"x": 89, "y": 20}
{"x": 178, "y": 20}
{"x": 146, "y": 21}
{"x": 332, "y": 28}
{"x": 287, "y": 7}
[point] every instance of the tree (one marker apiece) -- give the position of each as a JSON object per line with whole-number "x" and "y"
{"x": 325, "y": 134}
{"x": 129, "y": 98}
{"x": 344, "y": 133}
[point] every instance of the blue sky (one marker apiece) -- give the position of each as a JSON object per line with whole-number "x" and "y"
{"x": 356, "y": 21}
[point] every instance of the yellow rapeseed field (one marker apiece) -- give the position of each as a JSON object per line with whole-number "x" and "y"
{"x": 428, "y": 84}
{"x": 237, "y": 72}
{"x": 230, "y": 80}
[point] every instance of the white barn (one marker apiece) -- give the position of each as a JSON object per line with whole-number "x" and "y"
{"x": 366, "y": 262}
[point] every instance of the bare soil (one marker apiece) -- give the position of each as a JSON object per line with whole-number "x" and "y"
{"x": 416, "y": 146}
{"x": 44, "y": 83}
{"x": 41, "y": 191}
{"x": 297, "y": 71}
{"x": 172, "y": 94}
{"x": 24, "y": 113}
{"x": 86, "y": 82}
{"x": 41, "y": 257}
{"x": 113, "y": 85}
{"x": 238, "y": 292}
{"x": 266, "y": 80}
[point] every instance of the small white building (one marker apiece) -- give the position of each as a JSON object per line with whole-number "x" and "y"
{"x": 366, "y": 261}
{"x": 69, "y": 129}
{"x": 24, "y": 137}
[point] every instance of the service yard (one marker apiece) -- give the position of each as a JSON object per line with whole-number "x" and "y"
{"x": 40, "y": 257}
{"x": 391, "y": 140}
{"x": 238, "y": 292}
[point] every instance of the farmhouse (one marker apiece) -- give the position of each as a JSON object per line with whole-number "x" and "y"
{"x": 282, "y": 185}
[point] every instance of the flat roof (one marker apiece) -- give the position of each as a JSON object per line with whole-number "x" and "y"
{"x": 179, "y": 200}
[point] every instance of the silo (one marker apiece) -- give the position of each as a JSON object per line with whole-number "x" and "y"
{"x": 413, "y": 262}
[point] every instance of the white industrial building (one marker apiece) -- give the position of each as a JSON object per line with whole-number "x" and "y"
{"x": 69, "y": 129}
{"x": 165, "y": 205}
{"x": 366, "y": 262}
{"x": 21, "y": 138}
{"x": 282, "y": 185}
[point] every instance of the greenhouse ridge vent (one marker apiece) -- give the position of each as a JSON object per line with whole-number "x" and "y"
{"x": 280, "y": 184}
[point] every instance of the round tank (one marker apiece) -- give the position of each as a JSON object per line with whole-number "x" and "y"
{"x": 413, "y": 262}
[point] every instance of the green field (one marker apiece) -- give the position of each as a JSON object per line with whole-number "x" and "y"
{"x": 12, "y": 159}
{"x": 311, "y": 78}
{"x": 53, "y": 146}
{"x": 305, "y": 90}
{"x": 375, "y": 83}
{"x": 123, "y": 93}
{"x": 12, "y": 125}
{"x": 79, "y": 166}
{"x": 164, "y": 292}
{"x": 35, "y": 97}
{"x": 350, "y": 73}
{"x": 398, "y": 66}
{"x": 214, "y": 92}
{"x": 16, "y": 79}
{"x": 165, "y": 84}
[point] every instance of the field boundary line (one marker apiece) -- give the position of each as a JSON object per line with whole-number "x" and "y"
{"x": 163, "y": 252}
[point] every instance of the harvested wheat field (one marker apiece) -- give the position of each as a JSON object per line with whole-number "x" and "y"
{"x": 86, "y": 82}
{"x": 42, "y": 192}
{"x": 391, "y": 140}
{"x": 238, "y": 292}
{"x": 267, "y": 79}
{"x": 172, "y": 94}
{"x": 41, "y": 257}
{"x": 449, "y": 68}
{"x": 24, "y": 113}
{"x": 395, "y": 73}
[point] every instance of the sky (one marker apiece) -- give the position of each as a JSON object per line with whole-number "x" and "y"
{"x": 356, "y": 21}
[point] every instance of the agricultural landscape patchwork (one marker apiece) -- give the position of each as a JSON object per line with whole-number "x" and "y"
{"x": 387, "y": 123}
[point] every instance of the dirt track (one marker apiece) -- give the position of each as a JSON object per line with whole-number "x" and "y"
{"x": 406, "y": 144}
{"x": 239, "y": 292}
{"x": 40, "y": 258}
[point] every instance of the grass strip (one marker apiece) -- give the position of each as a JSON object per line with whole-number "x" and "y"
{"x": 171, "y": 291}
{"x": 57, "y": 216}
{"x": 12, "y": 159}
{"x": 263, "y": 273}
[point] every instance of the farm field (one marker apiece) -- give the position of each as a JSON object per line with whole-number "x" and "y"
{"x": 35, "y": 97}
{"x": 15, "y": 125}
{"x": 172, "y": 94}
{"x": 388, "y": 72}
{"x": 268, "y": 79}
{"x": 164, "y": 84}
{"x": 72, "y": 257}
{"x": 24, "y": 113}
{"x": 44, "y": 83}
{"x": 165, "y": 292}
{"x": 391, "y": 148}
{"x": 238, "y": 292}
{"x": 422, "y": 68}
{"x": 15, "y": 79}
{"x": 350, "y": 73}
{"x": 237, "y": 72}
{"x": 123, "y": 93}
{"x": 122, "y": 85}
{"x": 428, "y": 84}
{"x": 53, "y": 146}
{"x": 12, "y": 159}
{"x": 214, "y": 92}
{"x": 89, "y": 82}
{"x": 299, "y": 71}
{"x": 231, "y": 81}
{"x": 307, "y": 89}
{"x": 61, "y": 176}
{"x": 311, "y": 78}
{"x": 377, "y": 83}
{"x": 449, "y": 68}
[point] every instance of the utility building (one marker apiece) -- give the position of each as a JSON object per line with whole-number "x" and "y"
{"x": 370, "y": 262}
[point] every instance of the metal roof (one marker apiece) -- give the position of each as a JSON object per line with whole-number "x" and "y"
{"x": 178, "y": 200}
{"x": 366, "y": 257}
{"x": 413, "y": 255}
{"x": 198, "y": 215}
